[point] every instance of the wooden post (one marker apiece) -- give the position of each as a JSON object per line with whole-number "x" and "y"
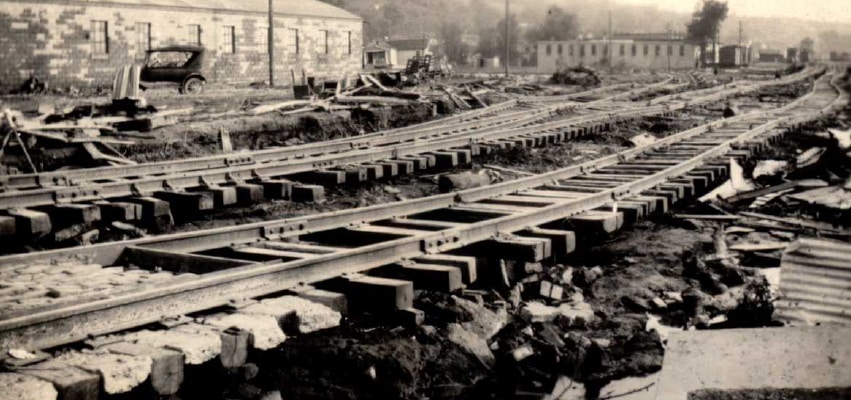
{"x": 271, "y": 44}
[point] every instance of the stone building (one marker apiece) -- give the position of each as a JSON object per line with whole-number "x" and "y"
{"x": 652, "y": 52}
{"x": 82, "y": 42}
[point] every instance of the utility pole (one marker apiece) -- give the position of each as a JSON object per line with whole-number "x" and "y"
{"x": 609, "y": 47}
{"x": 507, "y": 40}
{"x": 271, "y": 44}
{"x": 740, "y": 33}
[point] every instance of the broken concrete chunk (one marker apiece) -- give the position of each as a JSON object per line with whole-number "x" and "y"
{"x": 578, "y": 314}
{"x": 198, "y": 344}
{"x": 23, "y": 387}
{"x": 643, "y": 139}
{"x": 537, "y": 312}
{"x": 486, "y": 322}
{"x": 301, "y": 315}
{"x": 523, "y": 352}
{"x": 265, "y": 329}
{"x": 120, "y": 373}
{"x": 471, "y": 342}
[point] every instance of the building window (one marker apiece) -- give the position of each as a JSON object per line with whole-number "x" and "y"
{"x": 559, "y": 49}
{"x": 593, "y": 49}
{"x": 622, "y": 50}
{"x": 605, "y": 50}
{"x": 658, "y": 50}
{"x": 634, "y": 50}
{"x": 323, "y": 42}
{"x": 670, "y": 50}
{"x": 549, "y": 49}
{"x": 581, "y": 50}
{"x": 143, "y": 37}
{"x": 263, "y": 40}
{"x": 682, "y": 50}
{"x": 570, "y": 49}
{"x": 292, "y": 41}
{"x": 229, "y": 39}
{"x": 646, "y": 49}
{"x": 194, "y": 34}
{"x": 349, "y": 41}
{"x": 100, "y": 37}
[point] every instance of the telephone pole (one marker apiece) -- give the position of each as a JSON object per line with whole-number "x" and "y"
{"x": 609, "y": 47}
{"x": 271, "y": 44}
{"x": 507, "y": 40}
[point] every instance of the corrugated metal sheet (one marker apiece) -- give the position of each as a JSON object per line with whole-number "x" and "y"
{"x": 308, "y": 8}
{"x": 815, "y": 283}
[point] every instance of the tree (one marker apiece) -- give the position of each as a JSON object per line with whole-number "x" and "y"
{"x": 453, "y": 47}
{"x": 705, "y": 24}
{"x": 492, "y": 41}
{"x": 558, "y": 25}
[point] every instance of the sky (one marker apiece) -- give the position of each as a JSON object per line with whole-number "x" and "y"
{"x": 819, "y": 10}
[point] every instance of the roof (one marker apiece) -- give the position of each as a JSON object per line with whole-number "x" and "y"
{"x": 815, "y": 283}
{"x": 306, "y": 8}
{"x": 190, "y": 48}
{"x": 409, "y": 44}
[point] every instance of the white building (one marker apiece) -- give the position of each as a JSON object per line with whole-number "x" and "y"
{"x": 652, "y": 52}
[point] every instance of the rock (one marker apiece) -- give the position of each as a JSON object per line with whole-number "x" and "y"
{"x": 550, "y": 335}
{"x": 249, "y": 371}
{"x": 486, "y": 322}
{"x": 392, "y": 190}
{"x": 264, "y": 328}
{"x": 537, "y": 312}
{"x": 643, "y": 139}
{"x": 533, "y": 268}
{"x": 567, "y": 275}
{"x": 120, "y": 373}
{"x": 24, "y": 387}
{"x": 584, "y": 277}
{"x": 523, "y": 352}
{"x": 576, "y": 315}
{"x": 273, "y": 395}
{"x": 636, "y": 303}
{"x": 658, "y": 303}
{"x": 297, "y": 315}
{"x": 549, "y": 290}
{"x": 471, "y": 342}
{"x": 566, "y": 389}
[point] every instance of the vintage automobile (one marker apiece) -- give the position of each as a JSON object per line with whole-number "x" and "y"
{"x": 177, "y": 64}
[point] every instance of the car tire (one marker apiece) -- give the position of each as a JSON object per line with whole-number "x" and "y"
{"x": 192, "y": 85}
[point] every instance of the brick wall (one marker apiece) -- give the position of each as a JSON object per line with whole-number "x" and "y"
{"x": 54, "y": 41}
{"x": 551, "y": 60}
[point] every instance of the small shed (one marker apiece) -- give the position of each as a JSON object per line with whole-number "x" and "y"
{"x": 407, "y": 49}
{"x": 379, "y": 54}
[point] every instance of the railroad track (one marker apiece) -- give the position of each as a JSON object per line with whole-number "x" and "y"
{"x": 372, "y": 258}
{"x": 506, "y": 114}
{"x": 151, "y": 192}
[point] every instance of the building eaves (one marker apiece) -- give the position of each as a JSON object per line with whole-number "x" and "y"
{"x": 300, "y": 8}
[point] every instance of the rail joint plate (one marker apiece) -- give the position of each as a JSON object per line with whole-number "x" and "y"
{"x": 279, "y": 230}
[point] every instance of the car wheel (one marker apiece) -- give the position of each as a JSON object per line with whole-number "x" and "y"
{"x": 193, "y": 86}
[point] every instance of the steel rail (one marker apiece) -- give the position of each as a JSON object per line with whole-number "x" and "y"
{"x": 76, "y": 322}
{"x": 241, "y": 173}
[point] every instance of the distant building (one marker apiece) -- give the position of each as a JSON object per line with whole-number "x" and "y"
{"x": 83, "y": 42}
{"x": 394, "y": 53}
{"x": 792, "y": 54}
{"x": 771, "y": 56}
{"x": 734, "y": 56}
{"x": 643, "y": 51}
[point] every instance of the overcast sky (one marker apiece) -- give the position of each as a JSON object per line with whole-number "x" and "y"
{"x": 821, "y": 10}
